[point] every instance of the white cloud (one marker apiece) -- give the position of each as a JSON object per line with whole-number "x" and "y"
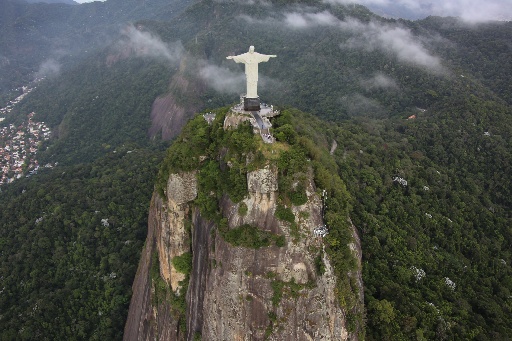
{"x": 408, "y": 3}
{"x": 227, "y": 81}
{"x": 394, "y": 39}
{"x": 84, "y": 1}
{"x": 145, "y": 44}
{"x": 379, "y": 81}
{"x": 222, "y": 79}
{"x": 247, "y": 2}
{"x": 48, "y": 68}
{"x": 468, "y": 10}
{"x": 374, "y": 35}
{"x": 304, "y": 20}
{"x": 358, "y": 104}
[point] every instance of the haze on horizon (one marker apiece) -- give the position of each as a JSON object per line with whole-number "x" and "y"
{"x": 468, "y": 10}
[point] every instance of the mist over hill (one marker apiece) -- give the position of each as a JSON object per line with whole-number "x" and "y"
{"x": 427, "y": 102}
{"x": 69, "y": 2}
{"x": 470, "y": 11}
{"x": 40, "y": 39}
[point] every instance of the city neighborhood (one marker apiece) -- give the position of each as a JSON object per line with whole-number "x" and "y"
{"x": 19, "y": 144}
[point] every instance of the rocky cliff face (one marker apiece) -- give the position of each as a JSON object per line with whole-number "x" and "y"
{"x": 235, "y": 293}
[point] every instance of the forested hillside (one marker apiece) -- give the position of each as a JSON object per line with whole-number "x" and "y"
{"x": 41, "y": 39}
{"x": 70, "y": 243}
{"x": 430, "y": 194}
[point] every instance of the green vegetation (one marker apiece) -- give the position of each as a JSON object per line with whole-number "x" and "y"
{"x": 458, "y": 228}
{"x": 163, "y": 294}
{"x": 242, "y": 209}
{"x": 71, "y": 240}
{"x": 288, "y": 289}
{"x": 319, "y": 264}
{"x": 199, "y": 147}
{"x": 285, "y": 214}
{"x": 292, "y": 165}
{"x": 183, "y": 263}
{"x": 160, "y": 287}
{"x": 444, "y": 215}
{"x": 298, "y": 195}
{"x": 250, "y": 237}
{"x": 110, "y": 108}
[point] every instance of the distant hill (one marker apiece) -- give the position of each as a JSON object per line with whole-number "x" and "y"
{"x": 68, "y": 2}
{"x": 38, "y": 35}
{"x": 473, "y": 12}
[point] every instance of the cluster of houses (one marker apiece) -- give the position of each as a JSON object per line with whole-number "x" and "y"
{"x": 26, "y": 90}
{"x": 18, "y": 148}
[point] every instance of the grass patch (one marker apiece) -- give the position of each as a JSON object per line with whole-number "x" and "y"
{"x": 272, "y": 151}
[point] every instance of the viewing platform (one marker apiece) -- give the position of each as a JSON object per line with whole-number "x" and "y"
{"x": 259, "y": 119}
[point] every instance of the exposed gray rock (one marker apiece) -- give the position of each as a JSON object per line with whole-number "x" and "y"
{"x": 230, "y": 295}
{"x": 262, "y": 180}
{"x": 182, "y": 188}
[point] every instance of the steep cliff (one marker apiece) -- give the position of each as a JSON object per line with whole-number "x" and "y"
{"x": 232, "y": 253}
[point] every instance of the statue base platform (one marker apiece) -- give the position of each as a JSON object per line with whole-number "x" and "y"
{"x": 251, "y": 104}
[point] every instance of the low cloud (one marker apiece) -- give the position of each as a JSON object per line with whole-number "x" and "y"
{"x": 357, "y": 105}
{"x": 222, "y": 79}
{"x": 48, "y": 68}
{"x": 226, "y": 81}
{"x": 379, "y": 81}
{"x": 247, "y": 2}
{"x": 306, "y": 20}
{"x": 394, "y": 39}
{"x": 467, "y": 10}
{"x": 145, "y": 44}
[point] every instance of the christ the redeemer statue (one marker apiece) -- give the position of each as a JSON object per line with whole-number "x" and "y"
{"x": 251, "y": 60}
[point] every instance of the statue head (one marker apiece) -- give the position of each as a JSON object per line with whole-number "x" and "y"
{"x": 251, "y": 49}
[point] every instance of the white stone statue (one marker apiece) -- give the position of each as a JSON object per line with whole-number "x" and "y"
{"x": 251, "y": 60}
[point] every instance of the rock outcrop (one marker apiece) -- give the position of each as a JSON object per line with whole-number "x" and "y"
{"x": 147, "y": 320}
{"x": 255, "y": 269}
{"x": 237, "y": 293}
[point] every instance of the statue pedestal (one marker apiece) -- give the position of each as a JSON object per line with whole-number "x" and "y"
{"x": 251, "y": 104}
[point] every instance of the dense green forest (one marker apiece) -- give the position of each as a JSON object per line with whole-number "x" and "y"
{"x": 430, "y": 196}
{"x": 71, "y": 236}
{"x": 70, "y": 243}
{"x": 436, "y": 247}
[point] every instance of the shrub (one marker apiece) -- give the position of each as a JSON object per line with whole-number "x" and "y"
{"x": 242, "y": 209}
{"x": 280, "y": 241}
{"x": 298, "y": 196}
{"x": 248, "y": 236}
{"x": 183, "y": 263}
{"x": 284, "y": 213}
